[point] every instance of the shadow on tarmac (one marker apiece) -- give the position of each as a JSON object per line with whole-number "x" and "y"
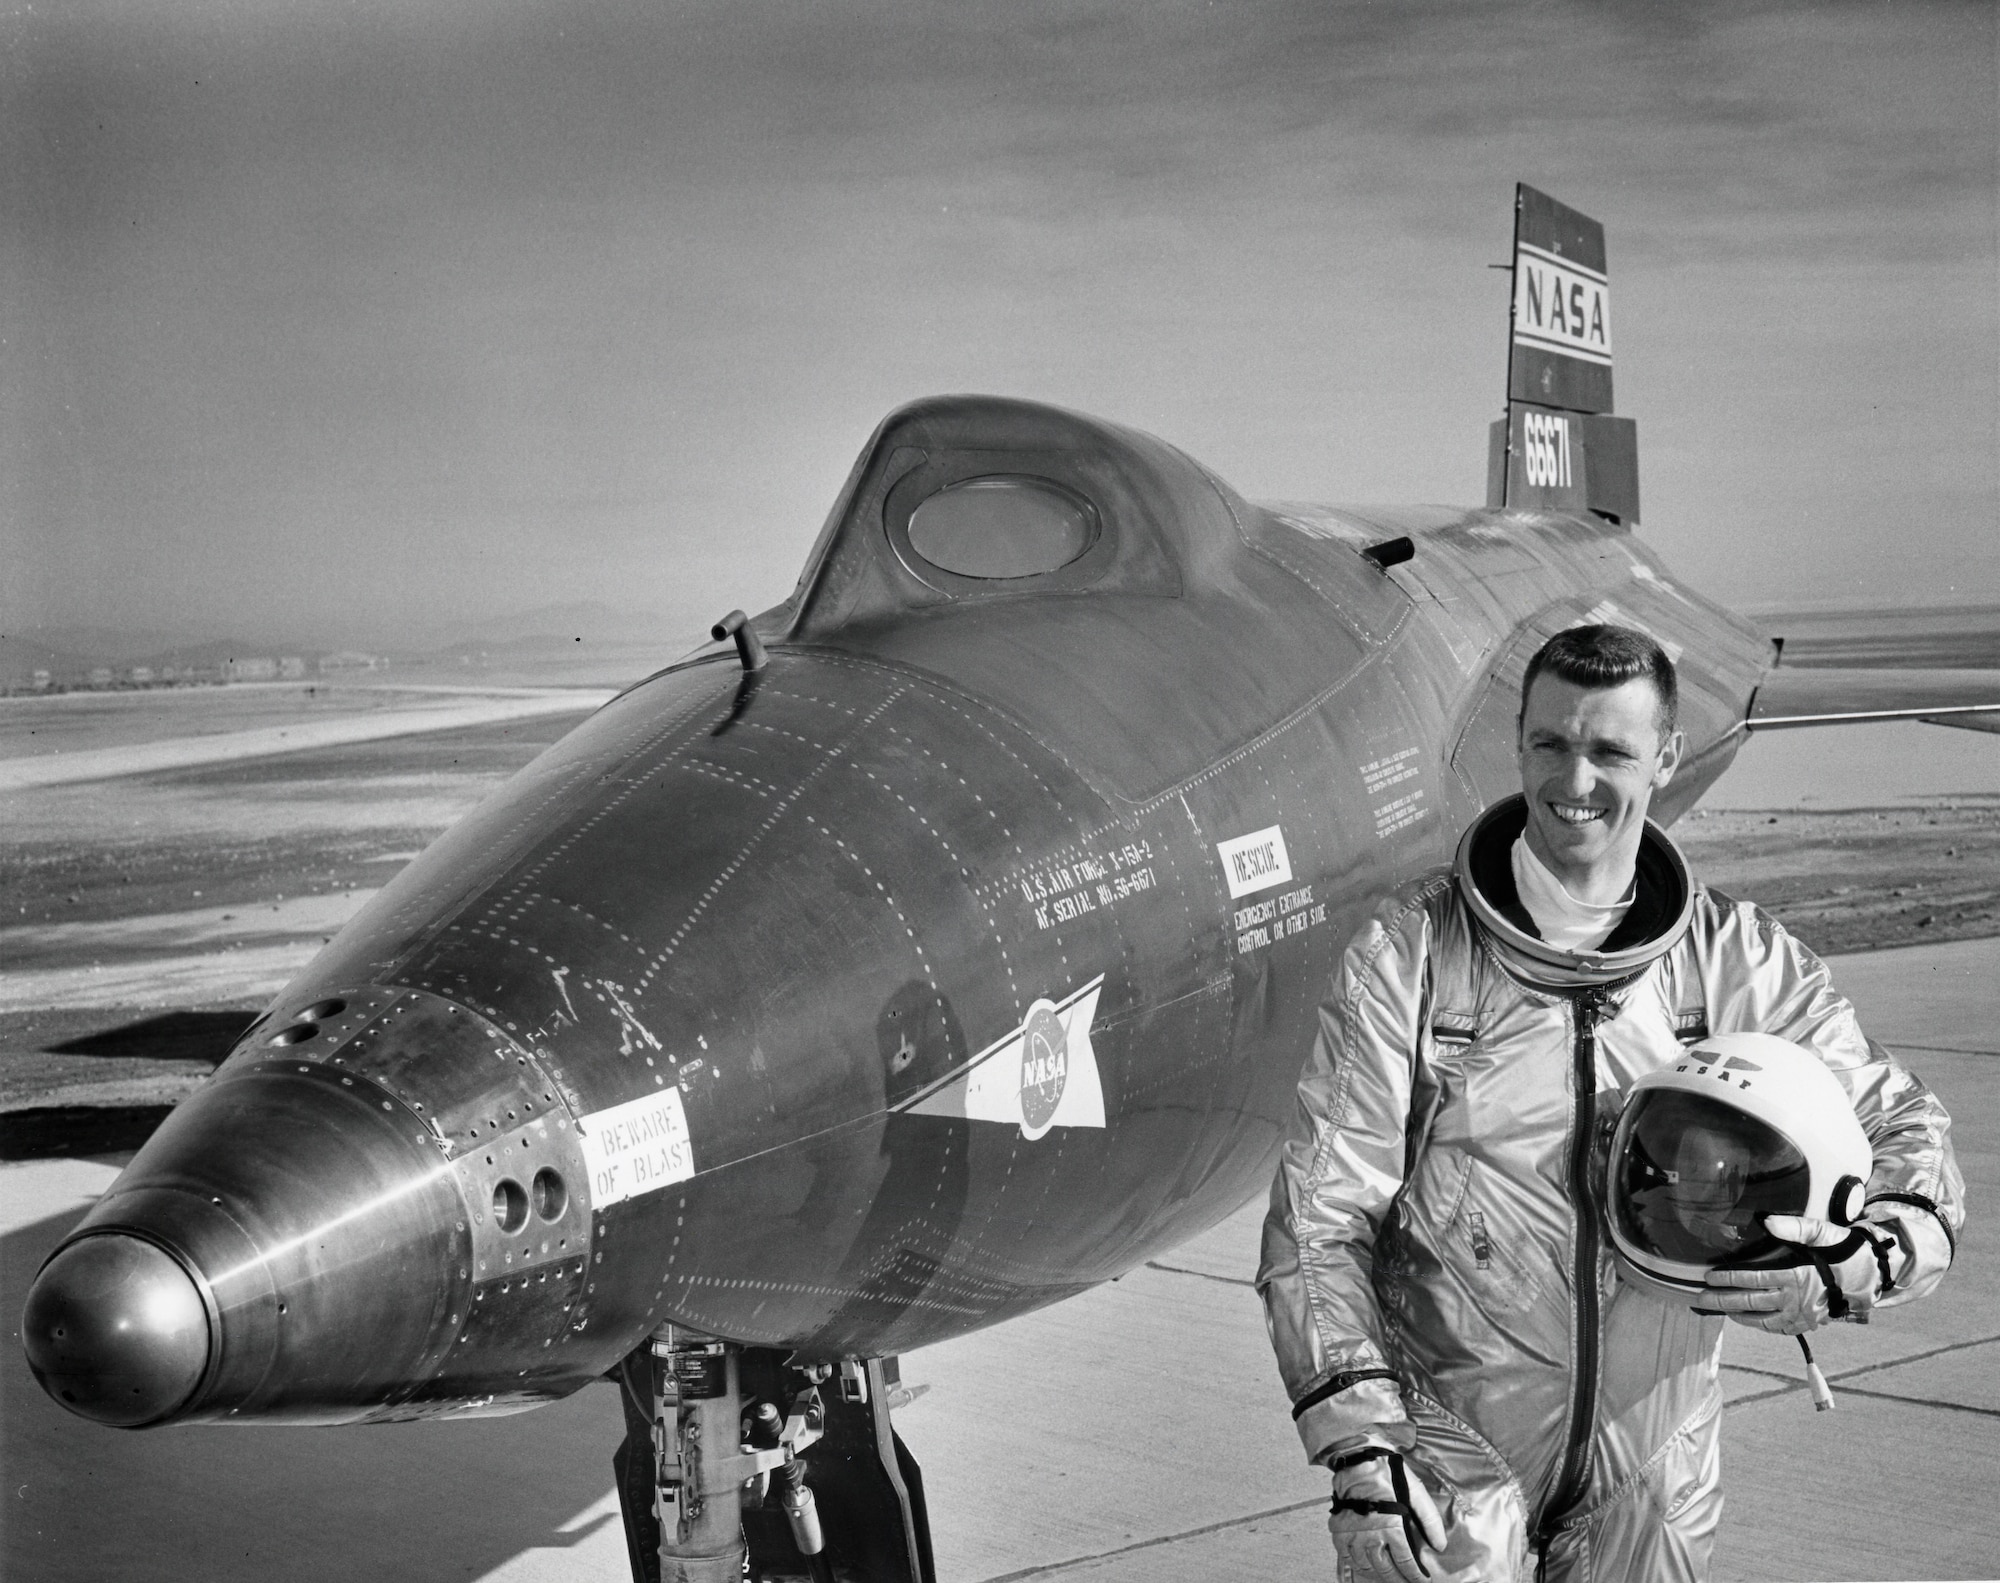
{"x": 170, "y": 1036}
{"x": 74, "y": 1132}
{"x": 231, "y": 1505}
{"x": 77, "y": 1132}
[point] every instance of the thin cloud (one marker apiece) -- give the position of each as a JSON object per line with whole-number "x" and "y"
{"x": 392, "y": 311}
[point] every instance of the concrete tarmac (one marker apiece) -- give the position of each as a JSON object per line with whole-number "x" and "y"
{"x": 1135, "y": 1432}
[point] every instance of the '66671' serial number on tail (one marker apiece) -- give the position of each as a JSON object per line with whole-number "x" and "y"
{"x": 1545, "y": 454}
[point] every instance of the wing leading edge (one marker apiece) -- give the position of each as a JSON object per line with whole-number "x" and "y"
{"x": 1828, "y": 697}
{"x": 1850, "y": 667}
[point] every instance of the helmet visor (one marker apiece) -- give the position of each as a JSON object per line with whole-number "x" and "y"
{"x": 1694, "y": 1178}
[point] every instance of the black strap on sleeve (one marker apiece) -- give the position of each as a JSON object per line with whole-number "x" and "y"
{"x": 1334, "y": 1385}
{"x": 1929, "y": 1207}
{"x": 1399, "y": 1483}
{"x": 1882, "y": 1245}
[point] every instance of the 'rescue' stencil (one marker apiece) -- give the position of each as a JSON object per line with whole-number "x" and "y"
{"x": 1042, "y": 1075}
{"x": 1255, "y": 862}
{"x": 636, "y": 1147}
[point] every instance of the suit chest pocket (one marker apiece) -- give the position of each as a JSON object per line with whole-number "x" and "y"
{"x": 1480, "y": 1194}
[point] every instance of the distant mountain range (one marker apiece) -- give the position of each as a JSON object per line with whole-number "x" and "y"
{"x": 72, "y": 654}
{"x": 582, "y": 629}
{"x": 76, "y": 662}
{"x": 105, "y": 645}
{"x": 586, "y": 621}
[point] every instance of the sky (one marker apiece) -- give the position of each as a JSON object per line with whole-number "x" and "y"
{"x": 358, "y": 322}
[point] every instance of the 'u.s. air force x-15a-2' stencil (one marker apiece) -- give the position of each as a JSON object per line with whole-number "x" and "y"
{"x": 1042, "y": 1075}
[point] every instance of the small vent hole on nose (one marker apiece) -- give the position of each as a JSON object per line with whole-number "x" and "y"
{"x": 510, "y": 1205}
{"x": 320, "y": 1010}
{"x": 551, "y": 1195}
{"x": 298, "y": 1033}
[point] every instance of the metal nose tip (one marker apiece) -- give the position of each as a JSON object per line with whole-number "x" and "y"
{"x": 116, "y": 1330}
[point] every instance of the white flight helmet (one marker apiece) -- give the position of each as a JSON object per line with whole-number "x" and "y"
{"x": 1742, "y": 1126}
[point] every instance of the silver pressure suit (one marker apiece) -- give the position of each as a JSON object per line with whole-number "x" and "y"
{"x": 1433, "y": 1271}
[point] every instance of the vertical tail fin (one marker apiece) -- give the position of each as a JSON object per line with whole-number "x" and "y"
{"x": 1559, "y": 448}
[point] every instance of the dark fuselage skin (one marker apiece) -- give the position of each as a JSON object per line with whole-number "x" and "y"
{"x": 806, "y": 895}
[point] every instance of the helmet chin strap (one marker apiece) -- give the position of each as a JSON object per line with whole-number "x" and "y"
{"x": 1837, "y": 1306}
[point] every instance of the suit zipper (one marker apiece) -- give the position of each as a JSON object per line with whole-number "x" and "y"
{"x": 1589, "y": 1009}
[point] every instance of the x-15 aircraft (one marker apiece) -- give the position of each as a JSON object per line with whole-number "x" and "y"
{"x": 926, "y": 950}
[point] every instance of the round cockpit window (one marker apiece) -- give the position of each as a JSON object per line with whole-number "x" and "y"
{"x": 1006, "y": 525}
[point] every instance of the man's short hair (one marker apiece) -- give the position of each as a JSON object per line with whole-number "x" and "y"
{"x": 1607, "y": 656}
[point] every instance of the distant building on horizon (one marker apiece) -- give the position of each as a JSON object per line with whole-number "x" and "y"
{"x": 349, "y": 660}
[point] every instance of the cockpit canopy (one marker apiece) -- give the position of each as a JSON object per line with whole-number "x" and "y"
{"x": 1088, "y": 578}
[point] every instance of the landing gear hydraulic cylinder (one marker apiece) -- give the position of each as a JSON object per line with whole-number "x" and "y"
{"x": 698, "y": 1500}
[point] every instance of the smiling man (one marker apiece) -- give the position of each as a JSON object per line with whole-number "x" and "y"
{"x": 1491, "y": 1396}
{"x": 1594, "y": 749}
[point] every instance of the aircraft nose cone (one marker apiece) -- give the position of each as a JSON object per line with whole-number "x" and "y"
{"x": 116, "y": 1330}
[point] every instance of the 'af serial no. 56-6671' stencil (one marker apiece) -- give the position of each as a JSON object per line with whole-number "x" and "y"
{"x": 1042, "y": 1075}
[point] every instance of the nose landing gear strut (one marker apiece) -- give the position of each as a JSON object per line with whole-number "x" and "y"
{"x": 715, "y": 1484}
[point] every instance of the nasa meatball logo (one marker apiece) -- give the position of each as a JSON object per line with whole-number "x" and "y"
{"x": 1040, "y": 1075}
{"x": 1044, "y": 1068}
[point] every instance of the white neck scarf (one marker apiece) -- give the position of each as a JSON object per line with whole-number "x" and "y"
{"x": 1565, "y": 922}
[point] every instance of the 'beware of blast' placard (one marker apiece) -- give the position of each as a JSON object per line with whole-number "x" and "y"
{"x": 637, "y": 1147}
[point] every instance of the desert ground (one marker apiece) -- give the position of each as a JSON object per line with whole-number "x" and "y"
{"x": 147, "y": 916}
